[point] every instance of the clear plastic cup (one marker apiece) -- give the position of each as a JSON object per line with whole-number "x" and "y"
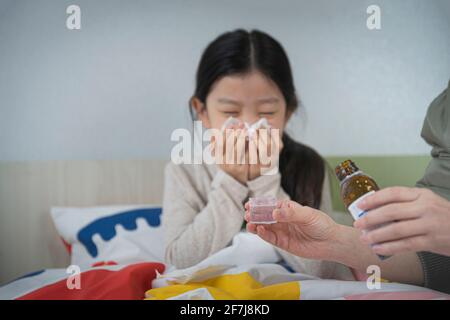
{"x": 261, "y": 209}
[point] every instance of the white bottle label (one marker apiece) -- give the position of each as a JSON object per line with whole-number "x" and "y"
{"x": 355, "y": 211}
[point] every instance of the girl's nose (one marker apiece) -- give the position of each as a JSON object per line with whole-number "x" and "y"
{"x": 250, "y": 119}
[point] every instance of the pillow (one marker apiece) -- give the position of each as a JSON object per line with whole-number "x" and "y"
{"x": 110, "y": 235}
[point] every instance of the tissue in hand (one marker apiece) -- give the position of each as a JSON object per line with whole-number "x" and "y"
{"x": 251, "y": 128}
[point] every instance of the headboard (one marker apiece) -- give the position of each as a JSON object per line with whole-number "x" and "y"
{"x": 28, "y": 239}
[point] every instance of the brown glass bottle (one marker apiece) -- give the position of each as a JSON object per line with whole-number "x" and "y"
{"x": 355, "y": 185}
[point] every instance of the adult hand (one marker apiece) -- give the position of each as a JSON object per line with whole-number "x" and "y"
{"x": 312, "y": 234}
{"x": 300, "y": 230}
{"x": 417, "y": 220}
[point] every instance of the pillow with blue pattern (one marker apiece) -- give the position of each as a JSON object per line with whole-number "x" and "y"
{"x": 111, "y": 234}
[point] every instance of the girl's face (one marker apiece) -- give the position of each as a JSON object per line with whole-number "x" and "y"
{"x": 247, "y": 97}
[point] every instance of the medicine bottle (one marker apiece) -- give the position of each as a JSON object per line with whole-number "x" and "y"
{"x": 355, "y": 186}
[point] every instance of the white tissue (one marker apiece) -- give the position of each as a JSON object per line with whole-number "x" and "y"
{"x": 230, "y": 122}
{"x": 251, "y": 128}
{"x": 262, "y": 123}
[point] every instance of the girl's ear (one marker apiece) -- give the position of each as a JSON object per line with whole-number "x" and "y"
{"x": 202, "y": 113}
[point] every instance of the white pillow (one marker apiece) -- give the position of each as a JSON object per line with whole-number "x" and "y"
{"x": 111, "y": 235}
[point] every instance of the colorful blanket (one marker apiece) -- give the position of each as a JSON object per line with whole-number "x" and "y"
{"x": 248, "y": 270}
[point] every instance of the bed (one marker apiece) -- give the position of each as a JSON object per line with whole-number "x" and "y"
{"x": 91, "y": 230}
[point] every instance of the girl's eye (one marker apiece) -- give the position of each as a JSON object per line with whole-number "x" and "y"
{"x": 231, "y": 113}
{"x": 265, "y": 114}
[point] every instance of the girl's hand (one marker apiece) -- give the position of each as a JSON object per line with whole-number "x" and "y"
{"x": 230, "y": 153}
{"x": 273, "y": 146}
{"x": 300, "y": 230}
{"x": 418, "y": 220}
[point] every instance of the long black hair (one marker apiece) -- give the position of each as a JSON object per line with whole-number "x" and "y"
{"x": 239, "y": 52}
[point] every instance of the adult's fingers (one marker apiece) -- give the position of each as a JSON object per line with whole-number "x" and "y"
{"x": 388, "y": 195}
{"x": 396, "y": 231}
{"x": 388, "y": 213}
{"x": 247, "y": 216}
{"x": 266, "y": 234}
{"x": 412, "y": 244}
{"x": 291, "y": 211}
{"x": 251, "y": 228}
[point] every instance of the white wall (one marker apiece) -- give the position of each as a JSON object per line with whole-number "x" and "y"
{"x": 117, "y": 88}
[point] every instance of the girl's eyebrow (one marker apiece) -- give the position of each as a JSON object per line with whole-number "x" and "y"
{"x": 272, "y": 100}
{"x": 229, "y": 101}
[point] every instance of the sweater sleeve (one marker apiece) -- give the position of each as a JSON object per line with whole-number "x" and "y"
{"x": 269, "y": 185}
{"x": 436, "y": 270}
{"x": 436, "y": 132}
{"x": 192, "y": 230}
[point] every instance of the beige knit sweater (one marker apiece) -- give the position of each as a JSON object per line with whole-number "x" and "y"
{"x": 203, "y": 210}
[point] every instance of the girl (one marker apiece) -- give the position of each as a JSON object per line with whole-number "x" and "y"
{"x": 245, "y": 75}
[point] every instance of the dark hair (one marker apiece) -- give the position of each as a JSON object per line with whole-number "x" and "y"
{"x": 302, "y": 168}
